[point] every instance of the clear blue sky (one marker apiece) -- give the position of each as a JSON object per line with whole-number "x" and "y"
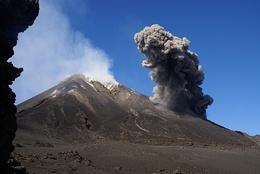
{"x": 225, "y": 35}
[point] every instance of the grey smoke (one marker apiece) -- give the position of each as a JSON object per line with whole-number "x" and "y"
{"x": 175, "y": 70}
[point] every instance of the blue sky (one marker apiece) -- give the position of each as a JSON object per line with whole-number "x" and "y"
{"x": 225, "y": 35}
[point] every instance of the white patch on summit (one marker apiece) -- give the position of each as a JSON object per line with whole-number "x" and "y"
{"x": 74, "y": 87}
{"x": 89, "y": 80}
{"x": 83, "y": 87}
{"x": 71, "y": 91}
{"x": 54, "y": 93}
{"x": 109, "y": 84}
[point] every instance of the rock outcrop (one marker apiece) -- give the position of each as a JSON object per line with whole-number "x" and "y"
{"x": 15, "y": 17}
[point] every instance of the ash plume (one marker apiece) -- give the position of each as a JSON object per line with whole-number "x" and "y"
{"x": 175, "y": 70}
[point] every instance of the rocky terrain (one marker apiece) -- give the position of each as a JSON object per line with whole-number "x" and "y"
{"x": 85, "y": 126}
{"x": 256, "y": 138}
{"x": 15, "y": 17}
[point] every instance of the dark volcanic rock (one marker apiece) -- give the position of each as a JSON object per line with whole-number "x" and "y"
{"x": 127, "y": 134}
{"x": 15, "y": 17}
{"x": 256, "y": 138}
{"x": 78, "y": 110}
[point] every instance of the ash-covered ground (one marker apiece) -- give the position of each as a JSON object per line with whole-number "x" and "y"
{"x": 84, "y": 126}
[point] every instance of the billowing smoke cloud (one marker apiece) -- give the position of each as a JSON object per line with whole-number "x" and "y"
{"x": 51, "y": 50}
{"x": 175, "y": 70}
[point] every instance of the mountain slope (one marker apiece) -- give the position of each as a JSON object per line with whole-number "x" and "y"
{"x": 79, "y": 109}
{"x": 83, "y": 126}
{"x": 70, "y": 111}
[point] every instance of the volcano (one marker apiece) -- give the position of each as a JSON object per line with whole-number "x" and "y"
{"x": 85, "y": 126}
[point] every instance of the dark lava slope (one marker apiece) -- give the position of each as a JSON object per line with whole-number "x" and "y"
{"x": 80, "y": 110}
